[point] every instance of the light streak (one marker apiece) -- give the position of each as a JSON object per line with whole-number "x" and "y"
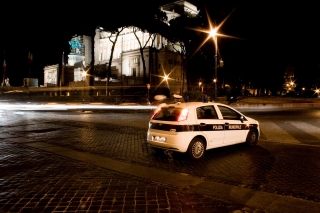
{"x": 71, "y": 106}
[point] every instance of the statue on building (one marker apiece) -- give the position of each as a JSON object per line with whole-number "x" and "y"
{"x": 75, "y": 45}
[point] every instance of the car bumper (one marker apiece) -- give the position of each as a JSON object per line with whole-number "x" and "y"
{"x": 175, "y": 141}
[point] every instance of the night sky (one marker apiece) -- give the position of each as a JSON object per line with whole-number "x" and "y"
{"x": 271, "y": 35}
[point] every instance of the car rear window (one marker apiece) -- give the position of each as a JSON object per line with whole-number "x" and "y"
{"x": 168, "y": 114}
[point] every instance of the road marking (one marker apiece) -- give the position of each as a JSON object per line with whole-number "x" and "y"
{"x": 274, "y": 133}
{"x": 308, "y": 128}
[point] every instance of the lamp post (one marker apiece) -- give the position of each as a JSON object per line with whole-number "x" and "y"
{"x": 215, "y": 85}
{"x": 148, "y": 87}
{"x": 84, "y": 77}
{"x": 213, "y": 34}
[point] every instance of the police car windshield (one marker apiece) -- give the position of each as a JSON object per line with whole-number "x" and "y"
{"x": 168, "y": 114}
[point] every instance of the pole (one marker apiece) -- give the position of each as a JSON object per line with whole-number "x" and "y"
{"x": 216, "y": 77}
{"x": 148, "y": 87}
{"x": 215, "y": 69}
{"x": 4, "y": 67}
{"x": 61, "y": 73}
{"x": 91, "y": 70}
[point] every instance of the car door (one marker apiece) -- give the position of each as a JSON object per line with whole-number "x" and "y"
{"x": 235, "y": 129}
{"x": 210, "y": 125}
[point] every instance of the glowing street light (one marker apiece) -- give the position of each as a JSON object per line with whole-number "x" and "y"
{"x": 84, "y": 78}
{"x": 213, "y": 34}
{"x": 215, "y": 85}
{"x": 200, "y": 88}
{"x": 165, "y": 77}
{"x": 84, "y": 74}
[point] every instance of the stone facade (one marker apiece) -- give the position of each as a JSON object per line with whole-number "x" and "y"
{"x": 127, "y": 66}
{"x": 51, "y": 75}
{"x": 175, "y": 9}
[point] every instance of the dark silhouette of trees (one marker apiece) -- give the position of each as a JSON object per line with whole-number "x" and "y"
{"x": 183, "y": 31}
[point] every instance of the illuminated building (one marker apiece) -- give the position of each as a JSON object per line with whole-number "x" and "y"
{"x": 127, "y": 67}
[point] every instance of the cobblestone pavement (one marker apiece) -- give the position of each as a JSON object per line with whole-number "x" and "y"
{"x": 35, "y": 181}
{"x": 288, "y": 169}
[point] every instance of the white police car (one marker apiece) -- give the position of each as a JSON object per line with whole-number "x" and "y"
{"x": 194, "y": 127}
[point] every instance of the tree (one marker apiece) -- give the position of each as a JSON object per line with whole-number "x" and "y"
{"x": 142, "y": 47}
{"x": 182, "y": 53}
{"x": 182, "y": 35}
{"x": 154, "y": 25}
{"x": 115, "y": 33}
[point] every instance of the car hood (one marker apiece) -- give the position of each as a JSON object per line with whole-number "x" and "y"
{"x": 251, "y": 120}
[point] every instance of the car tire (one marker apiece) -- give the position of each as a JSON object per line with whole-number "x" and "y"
{"x": 196, "y": 148}
{"x": 252, "y": 137}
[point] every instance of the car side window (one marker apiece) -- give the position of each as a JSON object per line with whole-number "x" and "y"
{"x": 229, "y": 114}
{"x": 206, "y": 112}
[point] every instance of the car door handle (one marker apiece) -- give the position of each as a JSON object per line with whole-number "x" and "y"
{"x": 202, "y": 124}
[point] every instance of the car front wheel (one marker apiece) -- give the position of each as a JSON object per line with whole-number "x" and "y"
{"x": 252, "y": 137}
{"x": 196, "y": 148}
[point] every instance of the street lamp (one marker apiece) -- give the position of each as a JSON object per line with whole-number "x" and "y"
{"x": 148, "y": 87}
{"x": 84, "y": 78}
{"x": 165, "y": 78}
{"x": 213, "y": 34}
{"x": 215, "y": 85}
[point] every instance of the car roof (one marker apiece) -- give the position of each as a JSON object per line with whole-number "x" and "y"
{"x": 190, "y": 104}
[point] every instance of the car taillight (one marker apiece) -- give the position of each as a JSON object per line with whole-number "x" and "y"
{"x": 155, "y": 112}
{"x": 184, "y": 115}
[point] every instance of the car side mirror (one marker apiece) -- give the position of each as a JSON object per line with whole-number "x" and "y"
{"x": 241, "y": 118}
